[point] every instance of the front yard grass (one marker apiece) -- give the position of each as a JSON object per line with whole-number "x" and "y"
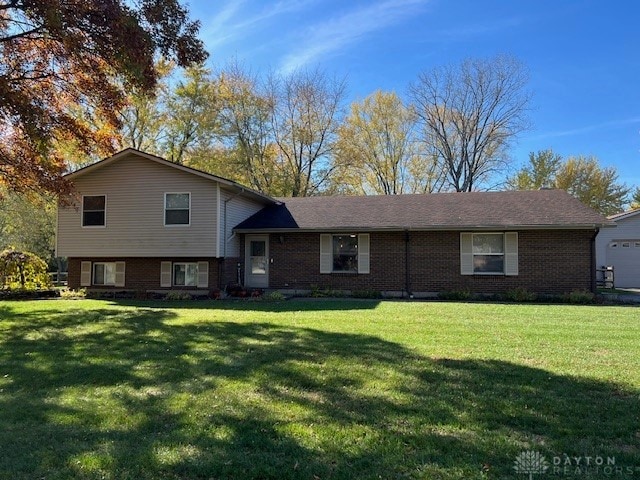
{"x": 344, "y": 389}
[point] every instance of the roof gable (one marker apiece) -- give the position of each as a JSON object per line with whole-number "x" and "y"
{"x": 624, "y": 215}
{"x": 128, "y": 152}
{"x": 436, "y": 211}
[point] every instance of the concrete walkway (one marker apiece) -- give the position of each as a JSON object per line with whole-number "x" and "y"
{"x": 623, "y": 295}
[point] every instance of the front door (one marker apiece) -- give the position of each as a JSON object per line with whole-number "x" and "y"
{"x": 256, "y": 270}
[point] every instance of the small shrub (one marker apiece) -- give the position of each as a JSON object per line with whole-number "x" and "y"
{"x": 177, "y": 295}
{"x": 317, "y": 292}
{"x": 366, "y": 294}
{"x": 520, "y": 294}
{"x": 274, "y": 296}
{"x": 463, "y": 294}
{"x": 69, "y": 294}
{"x": 236, "y": 290}
{"x": 579, "y": 296}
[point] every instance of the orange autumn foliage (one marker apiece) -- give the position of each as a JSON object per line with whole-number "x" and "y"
{"x": 59, "y": 55}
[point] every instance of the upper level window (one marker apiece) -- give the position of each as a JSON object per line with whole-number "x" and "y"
{"x": 345, "y": 253}
{"x": 93, "y": 210}
{"x": 177, "y": 208}
{"x": 488, "y": 253}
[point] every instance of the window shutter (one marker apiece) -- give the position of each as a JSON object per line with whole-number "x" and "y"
{"x": 165, "y": 274}
{"x": 119, "y": 274}
{"x": 363, "y": 253}
{"x": 203, "y": 274}
{"x": 326, "y": 254}
{"x": 511, "y": 253}
{"x": 85, "y": 274}
{"x": 466, "y": 254}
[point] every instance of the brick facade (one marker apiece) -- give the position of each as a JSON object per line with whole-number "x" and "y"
{"x": 142, "y": 274}
{"x": 549, "y": 261}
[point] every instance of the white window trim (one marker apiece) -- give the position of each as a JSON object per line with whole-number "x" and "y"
{"x": 82, "y": 225}
{"x": 503, "y": 254}
{"x": 93, "y": 274}
{"x": 173, "y": 273}
{"x": 164, "y": 211}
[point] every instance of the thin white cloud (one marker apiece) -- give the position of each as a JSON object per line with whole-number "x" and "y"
{"x": 216, "y": 30}
{"x": 327, "y": 37}
{"x": 223, "y": 29}
{"x": 587, "y": 129}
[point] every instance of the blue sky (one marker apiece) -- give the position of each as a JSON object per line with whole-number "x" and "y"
{"x": 583, "y": 57}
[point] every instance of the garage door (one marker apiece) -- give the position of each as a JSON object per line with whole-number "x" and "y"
{"x": 624, "y": 255}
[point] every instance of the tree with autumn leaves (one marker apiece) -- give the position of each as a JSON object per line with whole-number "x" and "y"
{"x": 60, "y": 55}
{"x": 78, "y": 80}
{"x": 581, "y": 176}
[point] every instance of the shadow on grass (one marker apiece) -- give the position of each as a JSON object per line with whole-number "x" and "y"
{"x": 258, "y": 305}
{"x": 136, "y": 394}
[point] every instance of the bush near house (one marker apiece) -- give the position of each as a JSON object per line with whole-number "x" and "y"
{"x": 23, "y": 271}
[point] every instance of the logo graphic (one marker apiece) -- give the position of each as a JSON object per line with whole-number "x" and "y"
{"x": 531, "y": 463}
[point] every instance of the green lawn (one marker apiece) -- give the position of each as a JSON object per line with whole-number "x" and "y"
{"x": 339, "y": 389}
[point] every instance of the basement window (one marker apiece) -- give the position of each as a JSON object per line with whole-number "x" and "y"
{"x": 104, "y": 273}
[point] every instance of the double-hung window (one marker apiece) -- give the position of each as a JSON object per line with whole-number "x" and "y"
{"x": 94, "y": 209}
{"x": 488, "y": 253}
{"x": 177, "y": 208}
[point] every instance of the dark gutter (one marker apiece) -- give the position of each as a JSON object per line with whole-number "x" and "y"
{"x": 407, "y": 264}
{"x": 593, "y": 261}
{"x": 422, "y": 228}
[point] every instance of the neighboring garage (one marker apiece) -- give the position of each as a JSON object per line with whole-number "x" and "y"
{"x": 620, "y": 247}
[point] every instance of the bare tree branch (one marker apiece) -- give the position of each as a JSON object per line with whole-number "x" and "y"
{"x": 469, "y": 114}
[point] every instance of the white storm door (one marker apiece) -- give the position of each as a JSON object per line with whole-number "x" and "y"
{"x": 256, "y": 273}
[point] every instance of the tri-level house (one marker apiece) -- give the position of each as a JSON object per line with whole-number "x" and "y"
{"x": 144, "y": 224}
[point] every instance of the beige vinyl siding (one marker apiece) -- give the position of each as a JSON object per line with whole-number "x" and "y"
{"x": 238, "y": 209}
{"x": 135, "y": 189}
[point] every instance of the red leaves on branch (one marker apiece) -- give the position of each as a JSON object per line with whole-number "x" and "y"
{"x": 58, "y": 55}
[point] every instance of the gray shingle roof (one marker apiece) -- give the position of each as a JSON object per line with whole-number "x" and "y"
{"x": 436, "y": 211}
